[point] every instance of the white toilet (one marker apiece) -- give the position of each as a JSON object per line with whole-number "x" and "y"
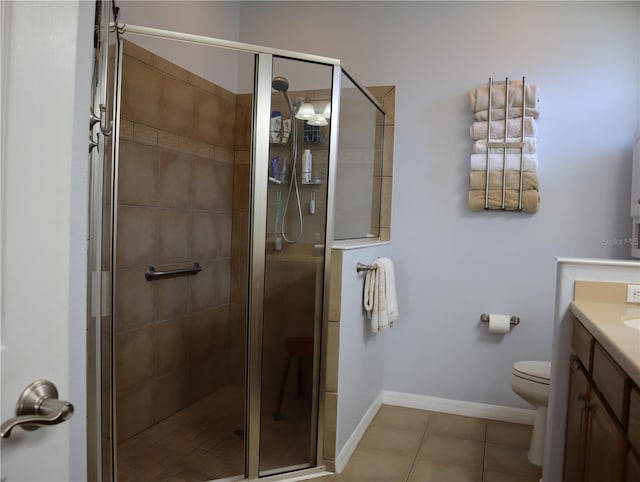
{"x": 530, "y": 380}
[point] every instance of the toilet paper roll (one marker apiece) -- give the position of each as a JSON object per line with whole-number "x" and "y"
{"x": 499, "y": 323}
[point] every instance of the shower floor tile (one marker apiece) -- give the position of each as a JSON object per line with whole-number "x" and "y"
{"x": 205, "y": 441}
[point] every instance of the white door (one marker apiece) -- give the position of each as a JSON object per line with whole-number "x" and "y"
{"x": 45, "y": 60}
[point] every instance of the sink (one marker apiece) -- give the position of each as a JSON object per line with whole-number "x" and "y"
{"x": 633, "y": 323}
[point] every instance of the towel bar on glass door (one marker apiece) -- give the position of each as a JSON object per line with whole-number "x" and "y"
{"x": 364, "y": 267}
{"x": 151, "y": 274}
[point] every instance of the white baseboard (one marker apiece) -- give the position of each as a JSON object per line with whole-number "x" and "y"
{"x": 458, "y": 407}
{"x": 348, "y": 449}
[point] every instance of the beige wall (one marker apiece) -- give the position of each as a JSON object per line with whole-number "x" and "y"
{"x": 175, "y": 207}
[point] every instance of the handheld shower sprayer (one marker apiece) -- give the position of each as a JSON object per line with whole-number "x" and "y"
{"x": 281, "y": 84}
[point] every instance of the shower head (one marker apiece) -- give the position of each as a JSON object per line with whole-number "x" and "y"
{"x": 280, "y": 84}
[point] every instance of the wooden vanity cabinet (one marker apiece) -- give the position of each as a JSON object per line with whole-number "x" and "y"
{"x": 596, "y": 443}
{"x": 633, "y": 432}
{"x": 633, "y": 468}
{"x": 634, "y": 420}
{"x": 605, "y": 445}
{"x": 576, "y": 428}
{"x": 611, "y": 381}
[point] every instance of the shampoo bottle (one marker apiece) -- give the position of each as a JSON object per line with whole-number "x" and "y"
{"x": 307, "y": 166}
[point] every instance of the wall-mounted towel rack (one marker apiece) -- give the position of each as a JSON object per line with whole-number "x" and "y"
{"x": 504, "y": 145}
{"x": 151, "y": 274}
{"x": 504, "y": 148}
{"x": 360, "y": 267}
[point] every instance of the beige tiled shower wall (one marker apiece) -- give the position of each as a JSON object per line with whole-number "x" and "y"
{"x": 385, "y": 130}
{"x": 240, "y": 237}
{"x": 175, "y": 207}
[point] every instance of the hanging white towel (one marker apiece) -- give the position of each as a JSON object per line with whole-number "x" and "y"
{"x": 390, "y": 283}
{"x": 369, "y": 291}
{"x": 380, "y": 300}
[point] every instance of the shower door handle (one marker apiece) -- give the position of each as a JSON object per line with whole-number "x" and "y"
{"x": 151, "y": 274}
{"x": 38, "y": 405}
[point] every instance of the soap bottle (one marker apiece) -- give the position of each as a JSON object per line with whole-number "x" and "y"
{"x": 276, "y": 126}
{"x": 307, "y": 166}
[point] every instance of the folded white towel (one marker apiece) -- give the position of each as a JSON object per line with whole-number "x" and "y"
{"x": 380, "y": 300}
{"x": 478, "y": 130}
{"x": 480, "y": 146}
{"x": 497, "y": 114}
{"x": 529, "y": 162}
{"x": 479, "y": 97}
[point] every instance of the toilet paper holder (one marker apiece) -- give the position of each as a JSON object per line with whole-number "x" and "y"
{"x": 484, "y": 317}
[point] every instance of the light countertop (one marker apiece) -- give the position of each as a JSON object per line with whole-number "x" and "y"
{"x": 605, "y": 322}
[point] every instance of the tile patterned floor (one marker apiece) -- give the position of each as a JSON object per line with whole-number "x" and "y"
{"x": 406, "y": 445}
{"x": 401, "y": 445}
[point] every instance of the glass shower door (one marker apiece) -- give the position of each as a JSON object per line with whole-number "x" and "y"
{"x": 294, "y": 263}
{"x": 180, "y": 267}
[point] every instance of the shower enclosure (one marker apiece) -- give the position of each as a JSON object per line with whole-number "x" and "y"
{"x": 209, "y": 259}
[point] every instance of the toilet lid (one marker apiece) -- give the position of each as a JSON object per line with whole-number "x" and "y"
{"x": 535, "y": 371}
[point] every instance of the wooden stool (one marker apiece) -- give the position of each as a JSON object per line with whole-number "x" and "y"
{"x": 302, "y": 348}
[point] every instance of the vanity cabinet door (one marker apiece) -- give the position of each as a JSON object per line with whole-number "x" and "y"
{"x": 611, "y": 381}
{"x": 605, "y": 451}
{"x": 633, "y": 429}
{"x": 576, "y": 431}
{"x": 633, "y": 468}
{"x": 582, "y": 344}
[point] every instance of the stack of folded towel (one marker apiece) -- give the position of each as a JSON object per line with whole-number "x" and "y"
{"x": 512, "y": 159}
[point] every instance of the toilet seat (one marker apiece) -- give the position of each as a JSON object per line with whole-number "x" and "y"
{"x": 533, "y": 371}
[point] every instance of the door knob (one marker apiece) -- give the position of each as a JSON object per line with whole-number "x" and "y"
{"x": 38, "y": 405}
